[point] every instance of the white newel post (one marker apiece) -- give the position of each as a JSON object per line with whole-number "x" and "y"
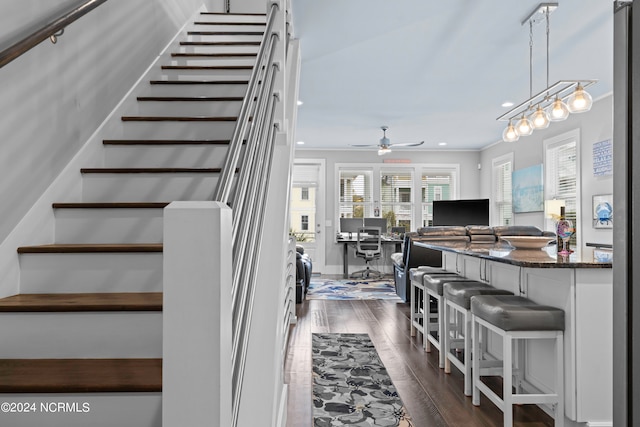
{"x": 196, "y": 366}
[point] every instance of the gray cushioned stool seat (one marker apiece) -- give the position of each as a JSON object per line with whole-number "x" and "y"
{"x": 434, "y": 282}
{"x": 516, "y": 313}
{"x": 460, "y": 293}
{"x": 418, "y": 273}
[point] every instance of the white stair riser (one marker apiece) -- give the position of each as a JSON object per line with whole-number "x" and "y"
{"x": 230, "y": 17}
{"x": 108, "y": 226}
{"x": 214, "y": 25}
{"x": 196, "y": 89}
{"x": 104, "y": 410}
{"x": 188, "y": 108}
{"x": 178, "y": 130}
{"x": 210, "y": 61}
{"x": 145, "y": 187}
{"x": 91, "y": 272}
{"x": 223, "y": 48}
{"x": 62, "y": 335}
{"x": 222, "y": 38}
{"x": 170, "y": 156}
{"x": 214, "y": 74}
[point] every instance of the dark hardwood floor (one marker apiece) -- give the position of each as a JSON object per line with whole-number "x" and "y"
{"x": 432, "y": 397}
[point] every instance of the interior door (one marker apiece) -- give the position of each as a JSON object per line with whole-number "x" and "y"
{"x": 307, "y": 209}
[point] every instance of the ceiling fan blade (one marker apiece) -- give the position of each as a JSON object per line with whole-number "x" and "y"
{"x": 364, "y": 145}
{"x": 408, "y": 144}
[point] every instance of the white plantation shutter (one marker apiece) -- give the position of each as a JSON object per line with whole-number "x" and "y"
{"x": 435, "y": 186}
{"x": 355, "y": 194}
{"x": 396, "y": 202}
{"x": 502, "y": 196}
{"x": 561, "y": 176}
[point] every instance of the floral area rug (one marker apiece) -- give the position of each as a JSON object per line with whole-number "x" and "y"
{"x": 351, "y": 386}
{"x": 352, "y": 289}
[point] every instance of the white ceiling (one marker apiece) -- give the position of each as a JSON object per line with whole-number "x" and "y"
{"x": 436, "y": 71}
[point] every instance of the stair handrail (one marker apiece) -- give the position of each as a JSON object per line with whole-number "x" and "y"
{"x": 225, "y": 180}
{"x": 52, "y": 27}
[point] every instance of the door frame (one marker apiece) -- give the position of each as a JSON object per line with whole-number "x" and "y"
{"x": 319, "y": 261}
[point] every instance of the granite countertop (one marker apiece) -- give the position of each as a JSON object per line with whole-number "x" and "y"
{"x": 502, "y": 252}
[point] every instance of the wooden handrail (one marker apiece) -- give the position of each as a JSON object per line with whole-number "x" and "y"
{"x": 11, "y": 50}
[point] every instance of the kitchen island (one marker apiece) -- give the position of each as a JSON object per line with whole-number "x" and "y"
{"x": 582, "y": 288}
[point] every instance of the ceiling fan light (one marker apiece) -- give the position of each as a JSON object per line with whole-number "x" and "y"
{"x": 580, "y": 100}
{"x": 524, "y": 126}
{"x": 510, "y": 134}
{"x": 558, "y": 111}
{"x": 384, "y": 150}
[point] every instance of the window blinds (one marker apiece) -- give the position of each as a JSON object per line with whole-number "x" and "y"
{"x": 502, "y": 193}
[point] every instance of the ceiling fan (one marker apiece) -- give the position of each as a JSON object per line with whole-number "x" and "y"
{"x": 384, "y": 146}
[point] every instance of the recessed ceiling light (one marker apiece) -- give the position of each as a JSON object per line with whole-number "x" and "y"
{"x": 442, "y": 143}
{"x": 300, "y": 102}
{"x": 507, "y": 104}
{"x": 300, "y": 142}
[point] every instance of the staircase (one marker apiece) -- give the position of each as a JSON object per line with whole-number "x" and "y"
{"x": 81, "y": 345}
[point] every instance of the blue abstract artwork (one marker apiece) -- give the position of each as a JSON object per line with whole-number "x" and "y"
{"x": 527, "y": 190}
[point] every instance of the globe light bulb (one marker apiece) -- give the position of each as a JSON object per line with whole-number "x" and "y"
{"x": 580, "y": 101}
{"x": 524, "y": 126}
{"x": 558, "y": 111}
{"x": 510, "y": 134}
{"x": 540, "y": 119}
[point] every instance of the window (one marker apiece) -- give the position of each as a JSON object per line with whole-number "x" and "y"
{"x": 502, "y": 167}
{"x": 435, "y": 186}
{"x": 561, "y": 175}
{"x": 395, "y": 197}
{"x": 304, "y": 222}
{"x": 304, "y": 193}
{"x": 403, "y": 194}
{"x": 355, "y": 194}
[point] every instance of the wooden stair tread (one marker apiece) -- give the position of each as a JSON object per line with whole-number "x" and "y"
{"x": 150, "y": 170}
{"x": 222, "y": 43}
{"x": 207, "y": 67}
{"x": 199, "y": 82}
{"x": 111, "y": 205}
{"x": 190, "y": 98}
{"x": 178, "y": 119}
{"x": 229, "y": 23}
{"x": 80, "y": 375}
{"x": 76, "y": 302}
{"x": 210, "y": 55}
{"x": 90, "y": 248}
{"x": 165, "y": 141}
{"x": 225, "y": 33}
{"x": 233, "y": 14}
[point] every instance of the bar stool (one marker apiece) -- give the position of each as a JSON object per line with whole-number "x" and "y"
{"x": 417, "y": 297}
{"x": 433, "y": 288}
{"x": 457, "y": 296}
{"x": 517, "y": 318}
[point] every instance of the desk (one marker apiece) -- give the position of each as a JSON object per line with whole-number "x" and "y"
{"x": 347, "y": 242}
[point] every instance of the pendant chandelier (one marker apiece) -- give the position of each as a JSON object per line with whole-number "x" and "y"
{"x": 554, "y": 103}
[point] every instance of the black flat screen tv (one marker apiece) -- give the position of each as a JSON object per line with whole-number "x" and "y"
{"x": 461, "y": 212}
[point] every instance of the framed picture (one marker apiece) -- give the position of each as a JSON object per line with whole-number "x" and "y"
{"x": 603, "y": 211}
{"x": 527, "y": 191}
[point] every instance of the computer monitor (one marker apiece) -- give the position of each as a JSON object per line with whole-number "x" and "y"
{"x": 350, "y": 225}
{"x": 461, "y": 212}
{"x": 377, "y": 222}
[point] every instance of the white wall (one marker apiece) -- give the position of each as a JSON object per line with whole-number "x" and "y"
{"x": 55, "y": 96}
{"x": 595, "y": 126}
{"x": 469, "y": 188}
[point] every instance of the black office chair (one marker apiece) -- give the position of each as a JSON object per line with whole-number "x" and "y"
{"x": 369, "y": 247}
